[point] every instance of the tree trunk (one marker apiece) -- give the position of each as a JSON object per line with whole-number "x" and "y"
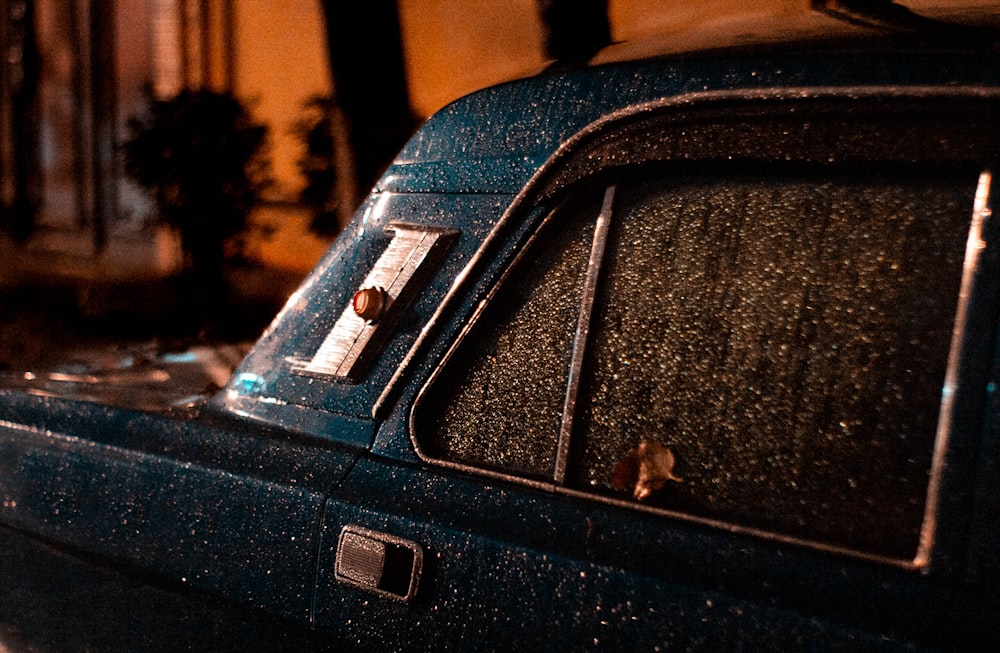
{"x": 574, "y": 30}
{"x": 369, "y": 80}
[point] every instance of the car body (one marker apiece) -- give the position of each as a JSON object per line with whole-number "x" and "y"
{"x": 693, "y": 352}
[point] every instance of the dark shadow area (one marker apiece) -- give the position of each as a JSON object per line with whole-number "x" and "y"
{"x": 131, "y": 344}
{"x": 51, "y": 325}
{"x": 52, "y": 601}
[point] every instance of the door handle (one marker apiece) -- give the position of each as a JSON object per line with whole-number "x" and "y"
{"x": 378, "y": 562}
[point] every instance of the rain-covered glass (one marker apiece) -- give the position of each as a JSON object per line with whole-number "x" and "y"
{"x": 772, "y": 351}
{"x": 501, "y": 402}
{"x": 765, "y": 350}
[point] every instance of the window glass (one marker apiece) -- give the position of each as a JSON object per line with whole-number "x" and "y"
{"x": 764, "y": 350}
{"x": 772, "y": 351}
{"x": 502, "y": 400}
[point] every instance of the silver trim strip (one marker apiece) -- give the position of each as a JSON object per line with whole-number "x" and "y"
{"x": 397, "y": 273}
{"x": 974, "y": 247}
{"x": 582, "y": 333}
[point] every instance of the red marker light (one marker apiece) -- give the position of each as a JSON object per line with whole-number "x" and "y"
{"x": 369, "y": 302}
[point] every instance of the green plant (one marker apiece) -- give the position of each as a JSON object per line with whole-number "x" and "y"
{"x": 315, "y": 131}
{"x": 200, "y": 156}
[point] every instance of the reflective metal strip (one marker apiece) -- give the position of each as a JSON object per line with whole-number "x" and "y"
{"x": 975, "y": 250}
{"x": 582, "y": 332}
{"x": 400, "y": 272}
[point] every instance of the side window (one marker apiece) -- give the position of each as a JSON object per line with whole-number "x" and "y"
{"x": 506, "y": 386}
{"x": 765, "y": 350}
{"x": 784, "y": 342}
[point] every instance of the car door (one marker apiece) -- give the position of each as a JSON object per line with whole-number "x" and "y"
{"x": 717, "y": 378}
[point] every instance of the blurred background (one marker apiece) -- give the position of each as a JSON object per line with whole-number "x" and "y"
{"x": 105, "y": 222}
{"x": 107, "y": 228}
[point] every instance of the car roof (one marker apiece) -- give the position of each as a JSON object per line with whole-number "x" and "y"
{"x": 496, "y": 139}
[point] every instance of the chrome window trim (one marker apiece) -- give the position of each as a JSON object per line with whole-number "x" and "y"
{"x": 683, "y": 517}
{"x": 975, "y": 247}
{"x": 582, "y": 335}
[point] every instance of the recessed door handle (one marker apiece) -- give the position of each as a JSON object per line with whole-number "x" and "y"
{"x": 381, "y": 563}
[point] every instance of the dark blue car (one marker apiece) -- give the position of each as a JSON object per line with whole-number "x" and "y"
{"x": 687, "y": 352}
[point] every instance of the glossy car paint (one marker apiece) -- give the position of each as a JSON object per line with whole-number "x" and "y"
{"x": 247, "y": 496}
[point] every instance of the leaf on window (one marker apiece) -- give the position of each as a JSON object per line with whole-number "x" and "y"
{"x": 646, "y": 469}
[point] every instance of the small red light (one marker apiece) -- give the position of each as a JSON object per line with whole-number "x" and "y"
{"x": 368, "y": 303}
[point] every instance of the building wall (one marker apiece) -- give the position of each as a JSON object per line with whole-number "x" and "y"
{"x": 454, "y": 47}
{"x": 281, "y": 61}
{"x": 269, "y": 54}
{"x": 638, "y": 19}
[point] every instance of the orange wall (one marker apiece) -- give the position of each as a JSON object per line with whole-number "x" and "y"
{"x": 635, "y": 19}
{"x": 280, "y": 62}
{"x": 453, "y": 47}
